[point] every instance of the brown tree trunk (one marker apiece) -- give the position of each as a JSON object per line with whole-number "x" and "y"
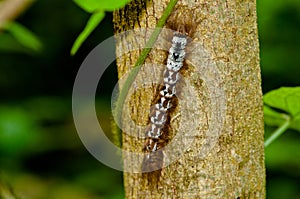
{"x": 219, "y": 119}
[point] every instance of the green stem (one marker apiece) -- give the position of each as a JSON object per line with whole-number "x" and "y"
{"x": 161, "y": 22}
{"x": 278, "y": 132}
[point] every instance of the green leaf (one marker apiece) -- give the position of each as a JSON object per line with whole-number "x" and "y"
{"x": 98, "y": 9}
{"x": 273, "y": 118}
{"x": 88, "y": 5}
{"x": 24, "y": 36}
{"x": 104, "y": 5}
{"x": 286, "y": 99}
{"x": 111, "y": 5}
{"x": 92, "y": 23}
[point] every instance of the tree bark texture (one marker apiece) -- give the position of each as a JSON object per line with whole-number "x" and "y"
{"x": 219, "y": 117}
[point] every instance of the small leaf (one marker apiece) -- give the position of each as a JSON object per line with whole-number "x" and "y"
{"x": 111, "y": 5}
{"x": 96, "y": 5}
{"x": 273, "y": 118}
{"x": 94, "y": 20}
{"x": 286, "y": 99}
{"x": 98, "y": 9}
{"x": 88, "y": 5}
{"x": 24, "y": 36}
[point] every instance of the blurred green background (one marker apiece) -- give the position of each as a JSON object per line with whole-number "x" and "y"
{"x": 41, "y": 155}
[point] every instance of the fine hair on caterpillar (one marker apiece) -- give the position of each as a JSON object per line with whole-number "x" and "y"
{"x": 156, "y": 133}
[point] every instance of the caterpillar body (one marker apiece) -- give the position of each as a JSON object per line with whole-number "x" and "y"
{"x": 159, "y": 114}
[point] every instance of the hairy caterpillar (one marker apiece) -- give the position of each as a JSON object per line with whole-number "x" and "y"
{"x": 155, "y": 140}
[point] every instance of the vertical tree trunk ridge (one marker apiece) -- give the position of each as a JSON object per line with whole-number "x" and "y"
{"x": 221, "y": 95}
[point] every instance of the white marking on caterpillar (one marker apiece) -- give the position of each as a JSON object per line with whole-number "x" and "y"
{"x": 158, "y": 117}
{"x": 170, "y": 77}
{"x": 163, "y": 104}
{"x": 168, "y": 91}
